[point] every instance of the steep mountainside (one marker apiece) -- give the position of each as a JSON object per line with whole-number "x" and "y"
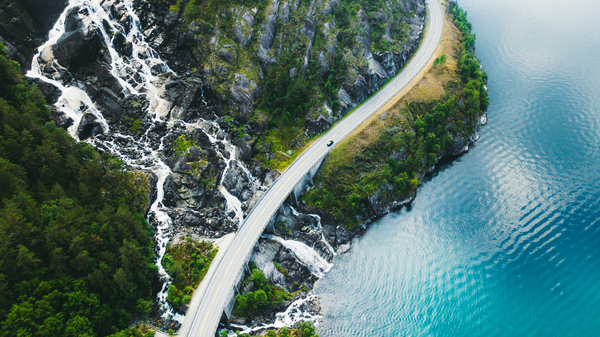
{"x": 285, "y": 70}
{"x": 380, "y": 167}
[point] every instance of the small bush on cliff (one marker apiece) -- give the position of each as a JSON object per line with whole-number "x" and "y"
{"x": 182, "y": 144}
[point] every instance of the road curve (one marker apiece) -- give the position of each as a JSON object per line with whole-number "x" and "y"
{"x": 203, "y": 320}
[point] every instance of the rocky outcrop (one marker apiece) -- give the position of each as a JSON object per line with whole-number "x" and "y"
{"x": 243, "y": 26}
{"x": 244, "y": 92}
{"x": 80, "y": 44}
{"x": 89, "y": 126}
{"x": 270, "y": 252}
{"x": 24, "y": 26}
{"x": 267, "y": 36}
{"x": 380, "y": 65}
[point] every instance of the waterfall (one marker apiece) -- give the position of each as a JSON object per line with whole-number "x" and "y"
{"x": 233, "y": 203}
{"x": 315, "y": 216}
{"x": 139, "y": 75}
{"x": 317, "y": 265}
{"x": 149, "y": 161}
{"x": 326, "y": 243}
{"x": 292, "y": 315}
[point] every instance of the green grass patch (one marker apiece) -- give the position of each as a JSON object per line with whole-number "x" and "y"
{"x": 187, "y": 262}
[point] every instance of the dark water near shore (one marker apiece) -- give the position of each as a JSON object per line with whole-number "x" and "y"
{"x": 505, "y": 240}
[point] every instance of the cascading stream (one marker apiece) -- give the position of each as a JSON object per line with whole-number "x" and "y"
{"x": 134, "y": 75}
{"x": 293, "y": 314}
{"x": 163, "y": 220}
{"x": 317, "y": 265}
{"x": 233, "y": 203}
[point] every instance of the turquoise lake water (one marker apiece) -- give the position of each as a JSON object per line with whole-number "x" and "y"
{"x": 505, "y": 240}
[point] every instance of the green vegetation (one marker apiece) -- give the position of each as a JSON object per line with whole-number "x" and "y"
{"x": 182, "y": 144}
{"x": 283, "y": 109}
{"x": 305, "y": 329}
{"x": 281, "y": 269}
{"x": 134, "y": 124}
{"x": 281, "y": 225}
{"x": 187, "y": 262}
{"x": 76, "y": 254}
{"x": 382, "y": 163}
{"x": 206, "y": 177}
{"x": 134, "y": 332}
{"x": 292, "y": 100}
{"x": 262, "y": 296}
{"x": 440, "y": 61}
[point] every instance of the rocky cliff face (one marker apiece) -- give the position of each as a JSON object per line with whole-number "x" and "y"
{"x": 245, "y": 52}
{"x": 113, "y": 90}
{"x": 186, "y": 68}
{"x": 24, "y": 26}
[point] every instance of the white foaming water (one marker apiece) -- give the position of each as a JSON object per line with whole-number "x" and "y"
{"x": 134, "y": 74}
{"x": 150, "y": 161}
{"x": 233, "y": 203}
{"x": 326, "y": 243}
{"x": 319, "y": 225}
{"x": 296, "y": 213}
{"x": 318, "y": 220}
{"x": 317, "y": 265}
{"x": 292, "y": 315}
{"x": 135, "y": 77}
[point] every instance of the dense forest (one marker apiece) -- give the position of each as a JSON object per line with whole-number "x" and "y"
{"x": 76, "y": 256}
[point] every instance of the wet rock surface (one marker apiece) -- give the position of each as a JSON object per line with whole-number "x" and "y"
{"x": 81, "y": 42}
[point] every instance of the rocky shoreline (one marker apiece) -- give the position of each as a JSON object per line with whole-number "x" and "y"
{"x": 323, "y": 234}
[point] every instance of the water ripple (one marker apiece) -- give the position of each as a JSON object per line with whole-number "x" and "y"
{"x": 505, "y": 240}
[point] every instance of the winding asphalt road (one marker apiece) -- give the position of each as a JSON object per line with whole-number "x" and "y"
{"x": 203, "y": 320}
